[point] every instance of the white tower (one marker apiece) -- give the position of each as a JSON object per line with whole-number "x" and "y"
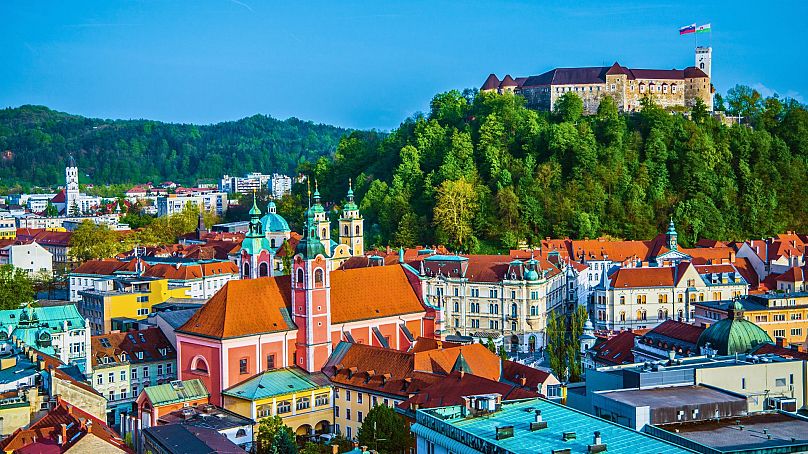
{"x": 71, "y": 187}
{"x": 704, "y": 57}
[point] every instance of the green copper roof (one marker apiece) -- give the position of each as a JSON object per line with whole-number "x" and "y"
{"x": 177, "y": 391}
{"x": 671, "y": 228}
{"x": 254, "y": 211}
{"x": 272, "y": 221}
{"x": 254, "y": 246}
{"x": 461, "y": 365}
{"x": 310, "y": 245}
{"x": 275, "y": 383}
{"x": 733, "y": 334}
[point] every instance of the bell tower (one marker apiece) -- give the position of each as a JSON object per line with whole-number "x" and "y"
{"x": 71, "y": 187}
{"x": 351, "y": 225}
{"x": 321, "y": 221}
{"x": 256, "y": 258}
{"x": 671, "y": 237}
{"x": 311, "y": 298}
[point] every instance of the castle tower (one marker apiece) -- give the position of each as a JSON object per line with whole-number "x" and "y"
{"x": 256, "y": 257}
{"x": 671, "y": 237}
{"x": 321, "y": 221}
{"x": 71, "y": 187}
{"x": 351, "y": 225}
{"x": 311, "y": 298}
{"x": 704, "y": 58}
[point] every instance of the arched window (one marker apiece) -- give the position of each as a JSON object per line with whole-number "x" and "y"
{"x": 263, "y": 269}
{"x": 241, "y": 433}
{"x": 622, "y": 316}
{"x": 456, "y": 307}
{"x": 357, "y": 230}
{"x": 680, "y": 315}
{"x": 272, "y": 242}
{"x": 300, "y": 275}
{"x": 622, "y": 300}
{"x": 660, "y": 314}
{"x": 318, "y": 276}
{"x": 246, "y": 270}
{"x": 199, "y": 365}
{"x": 346, "y": 231}
{"x": 324, "y": 233}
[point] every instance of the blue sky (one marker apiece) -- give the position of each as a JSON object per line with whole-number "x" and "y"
{"x": 360, "y": 64}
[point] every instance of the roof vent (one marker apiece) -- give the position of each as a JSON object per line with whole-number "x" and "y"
{"x": 504, "y": 432}
{"x": 597, "y": 444}
{"x": 538, "y": 424}
{"x": 567, "y": 436}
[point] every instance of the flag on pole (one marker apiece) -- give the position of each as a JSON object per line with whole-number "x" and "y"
{"x": 686, "y": 30}
{"x": 703, "y": 28}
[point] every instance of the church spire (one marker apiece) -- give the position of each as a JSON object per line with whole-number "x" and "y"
{"x": 671, "y": 236}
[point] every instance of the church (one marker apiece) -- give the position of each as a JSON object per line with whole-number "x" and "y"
{"x": 270, "y": 320}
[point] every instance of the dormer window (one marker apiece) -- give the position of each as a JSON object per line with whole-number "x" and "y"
{"x": 139, "y": 355}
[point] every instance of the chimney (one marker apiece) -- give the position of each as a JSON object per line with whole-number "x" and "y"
{"x": 781, "y": 342}
{"x": 596, "y": 439}
{"x": 538, "y": 423}
{"x": 63, "y": 435}
{"x": 523, "y": 381}
{"x": 597, "y": 444}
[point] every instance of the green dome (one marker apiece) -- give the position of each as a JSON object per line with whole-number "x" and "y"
{"x": 273, "y": 222}
{"x": 532, "y": 275}
{"x": 733, "y": 334}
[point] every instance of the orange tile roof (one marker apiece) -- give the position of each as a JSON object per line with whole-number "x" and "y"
{"x": 616, "y": 251}
{"x": 793, "y": 274}
{"x": 643, "y": 277}
{"x": 106, "y": 267}
{"x": 374, "y": 292}
{"x": 481, "y": 361}
{"x": 130, "y": 343}
{"x": 745, "y": 268}
{"x": 616, "y": 350}
{"x": 427, "y": 343}
{"x": 451, "y": 390}
{"x": 231, "y": 311}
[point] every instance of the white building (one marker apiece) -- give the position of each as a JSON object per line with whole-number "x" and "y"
{"x": 214, "y": 202}
{"x": 31, "y": 257}
{"x": 280, "y": 185}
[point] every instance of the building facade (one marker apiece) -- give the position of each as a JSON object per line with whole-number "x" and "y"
{"x": 214, "y": 202}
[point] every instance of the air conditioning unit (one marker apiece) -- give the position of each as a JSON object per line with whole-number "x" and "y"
{"x": 786, "y": 404}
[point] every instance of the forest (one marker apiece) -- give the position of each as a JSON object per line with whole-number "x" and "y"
{"x": 480, "y": 172}
{"x": 36, "y": 141}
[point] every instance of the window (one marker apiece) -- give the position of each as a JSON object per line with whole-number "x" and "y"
{"x": 134, "y": 374}
{"x": 796, "y": 316}
{"x": 321, "y": 399}
{"x": 641, "y": 299}
{"x": 300, "y": 275}
{"x": 796, "y": 332}
{"x": 318, "y": 276}
{"x": 743, "y": 383}
{"x": 134, "y": 390}
{"x": 780, "y": 382}
{"x": 168, "y": 368}
{"x": 761, "y": 318}
{"x": 622, "y": 300}
{"x": 270, "y": 362}
{"x": 359, "y": 416}
{"x": 241, "y": 433}
{"x": 456, "y": 306}
{"x": 303, "y": 403}
{"x": 336, "y": 412}
{"x": 123, "y": 375}
{"x": 663, "y": 298}
{"x": 622, "y": 316}
{"x": 123, "y": 393}
{"x": 779, "y": 333}
{"x": 348, "y": 433}
{"x": 145, "y": 371}
{"x": 347, "y": 395}
{"x": 284, "y": 406}
{"x": 99, "y": 379}
{"x": 112, "y": 377}
{"x": 112, "y": 395}
{"x": 242, "y": 366}
{"x": 374, "y": 401}
{"x": 348, "y": 414}
{"x": 359, "y": 398}
{"x": 779, "y": 317}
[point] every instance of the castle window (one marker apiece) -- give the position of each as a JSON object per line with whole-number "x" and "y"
{"x": 345, "y": 231}
{"x": 263, "y": 269}
{"x": 357, "y": 230}
{"x": 318, "y": 276}
{"x": 673, "y": 88}
{"x": 324, "y": 233}
{"x": 299, "y": 275}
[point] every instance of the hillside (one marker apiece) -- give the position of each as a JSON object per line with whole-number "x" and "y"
{"x": 480, "y": 172}
{"x": 134, "y": 151}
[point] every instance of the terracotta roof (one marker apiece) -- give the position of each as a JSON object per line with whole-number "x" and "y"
{"x": 375, "y": 292}
{"x": 643, "y": 277}
{"x": 451, "y": 389}
{"x": 148, "y": 341}
{"x": 745, "y": 268}
{"x": 677, "y": 330}
{"x": 45, "y": 237}
{"x": 231, "y": 311}
{"x": 106, "y": 267}
{"x": 480, "y": 360}
{"x": 49, "y": 427}
{"x": 514, "y": 372}
{"x": 715, "y": 254}
{"x": 769, "y": 348}
{"x": 616, "y": 350}
{"x": 723, "y": 268}
{"x": 427, "y": 343}
{"x": 793, "y": 274}
{"x": 616, "y": 251}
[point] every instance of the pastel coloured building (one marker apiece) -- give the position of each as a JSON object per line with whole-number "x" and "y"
{"x": 264, "y": 323}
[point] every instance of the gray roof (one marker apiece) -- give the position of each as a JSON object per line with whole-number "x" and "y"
{"x": 175, "y": 319}
{"x": 673, "y": 396}
{"x": 180, "y": 439}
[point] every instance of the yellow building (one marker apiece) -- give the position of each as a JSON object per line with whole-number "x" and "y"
{"x": 781, "y": 315}
{"x": 8, "y": 228}
{"x": 302, "y": 400}
{"x": 124, "y": 299}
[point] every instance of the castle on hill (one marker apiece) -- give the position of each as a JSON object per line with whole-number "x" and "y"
{"x": 627, "y": 86}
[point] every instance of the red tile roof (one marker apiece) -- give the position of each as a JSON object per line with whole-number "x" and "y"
{"x": 60, "y": 197}
{"x": 375, "y": 292}
{"x": 451, "y": 389}
{"x": 49, "y": 427}
{"x": 148, "y": 341}
{"x": 793, "y": 274}
{"x": 491, "y": 83}
{"x": 643, "y": 277}
{"x": 773, "y": 349}
{"x": 677, "y": 330}
{"x": 480, "y": 360}
{"x": 106, "y": 267}
{"x": 616, "y": 350}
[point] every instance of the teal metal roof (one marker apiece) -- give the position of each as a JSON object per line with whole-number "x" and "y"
{"x": 275, "y": 383}
{"x": 272, "y": 221}
{"x": 36, "y": 325}
{"x": 449, "y": 422}
{"x": 178, "y": 391}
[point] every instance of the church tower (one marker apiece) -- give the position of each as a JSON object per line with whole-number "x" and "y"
{"x": 321, "y": 221}
{"x": 256, "y": 258}
{"x": 671, "y": 237}
{"x": 311, "y": 298}
{"x": 351, "y": 225}
{"x": 71, "y": 187}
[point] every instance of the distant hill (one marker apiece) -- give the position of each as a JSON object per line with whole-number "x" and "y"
{"x": 35, "y": 142}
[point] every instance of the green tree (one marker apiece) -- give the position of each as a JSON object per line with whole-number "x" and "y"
{"x": 51, "y": 211}
{"x": 563, "y": 333}
{"x": 569, "y": 107}
{"x": 385, "y": 431}
{"x": 16, "y": 287}
{"x": 91, "y": 241}
{"x": 274, "y": 437}
{"x": 454, "y": 211}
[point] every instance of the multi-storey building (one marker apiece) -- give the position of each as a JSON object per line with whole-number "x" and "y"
{"x": 57, "y": 243}
{"x": 304, "y": 401}
{"x": 29, "y": 257}
{"x": 8, "y": 227}
{"x": 639, "y": 298}
{"x": 302, "y": 316}
{"x": 214, "y": 202}
{"x": 489, "y": 296}
{"x": 280, "y": 185}
{"x": 114, "y": 302}
{"x": 126, "y": 362}
{"x": 782, "y": 315}
{"x": 628, "y": 87}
